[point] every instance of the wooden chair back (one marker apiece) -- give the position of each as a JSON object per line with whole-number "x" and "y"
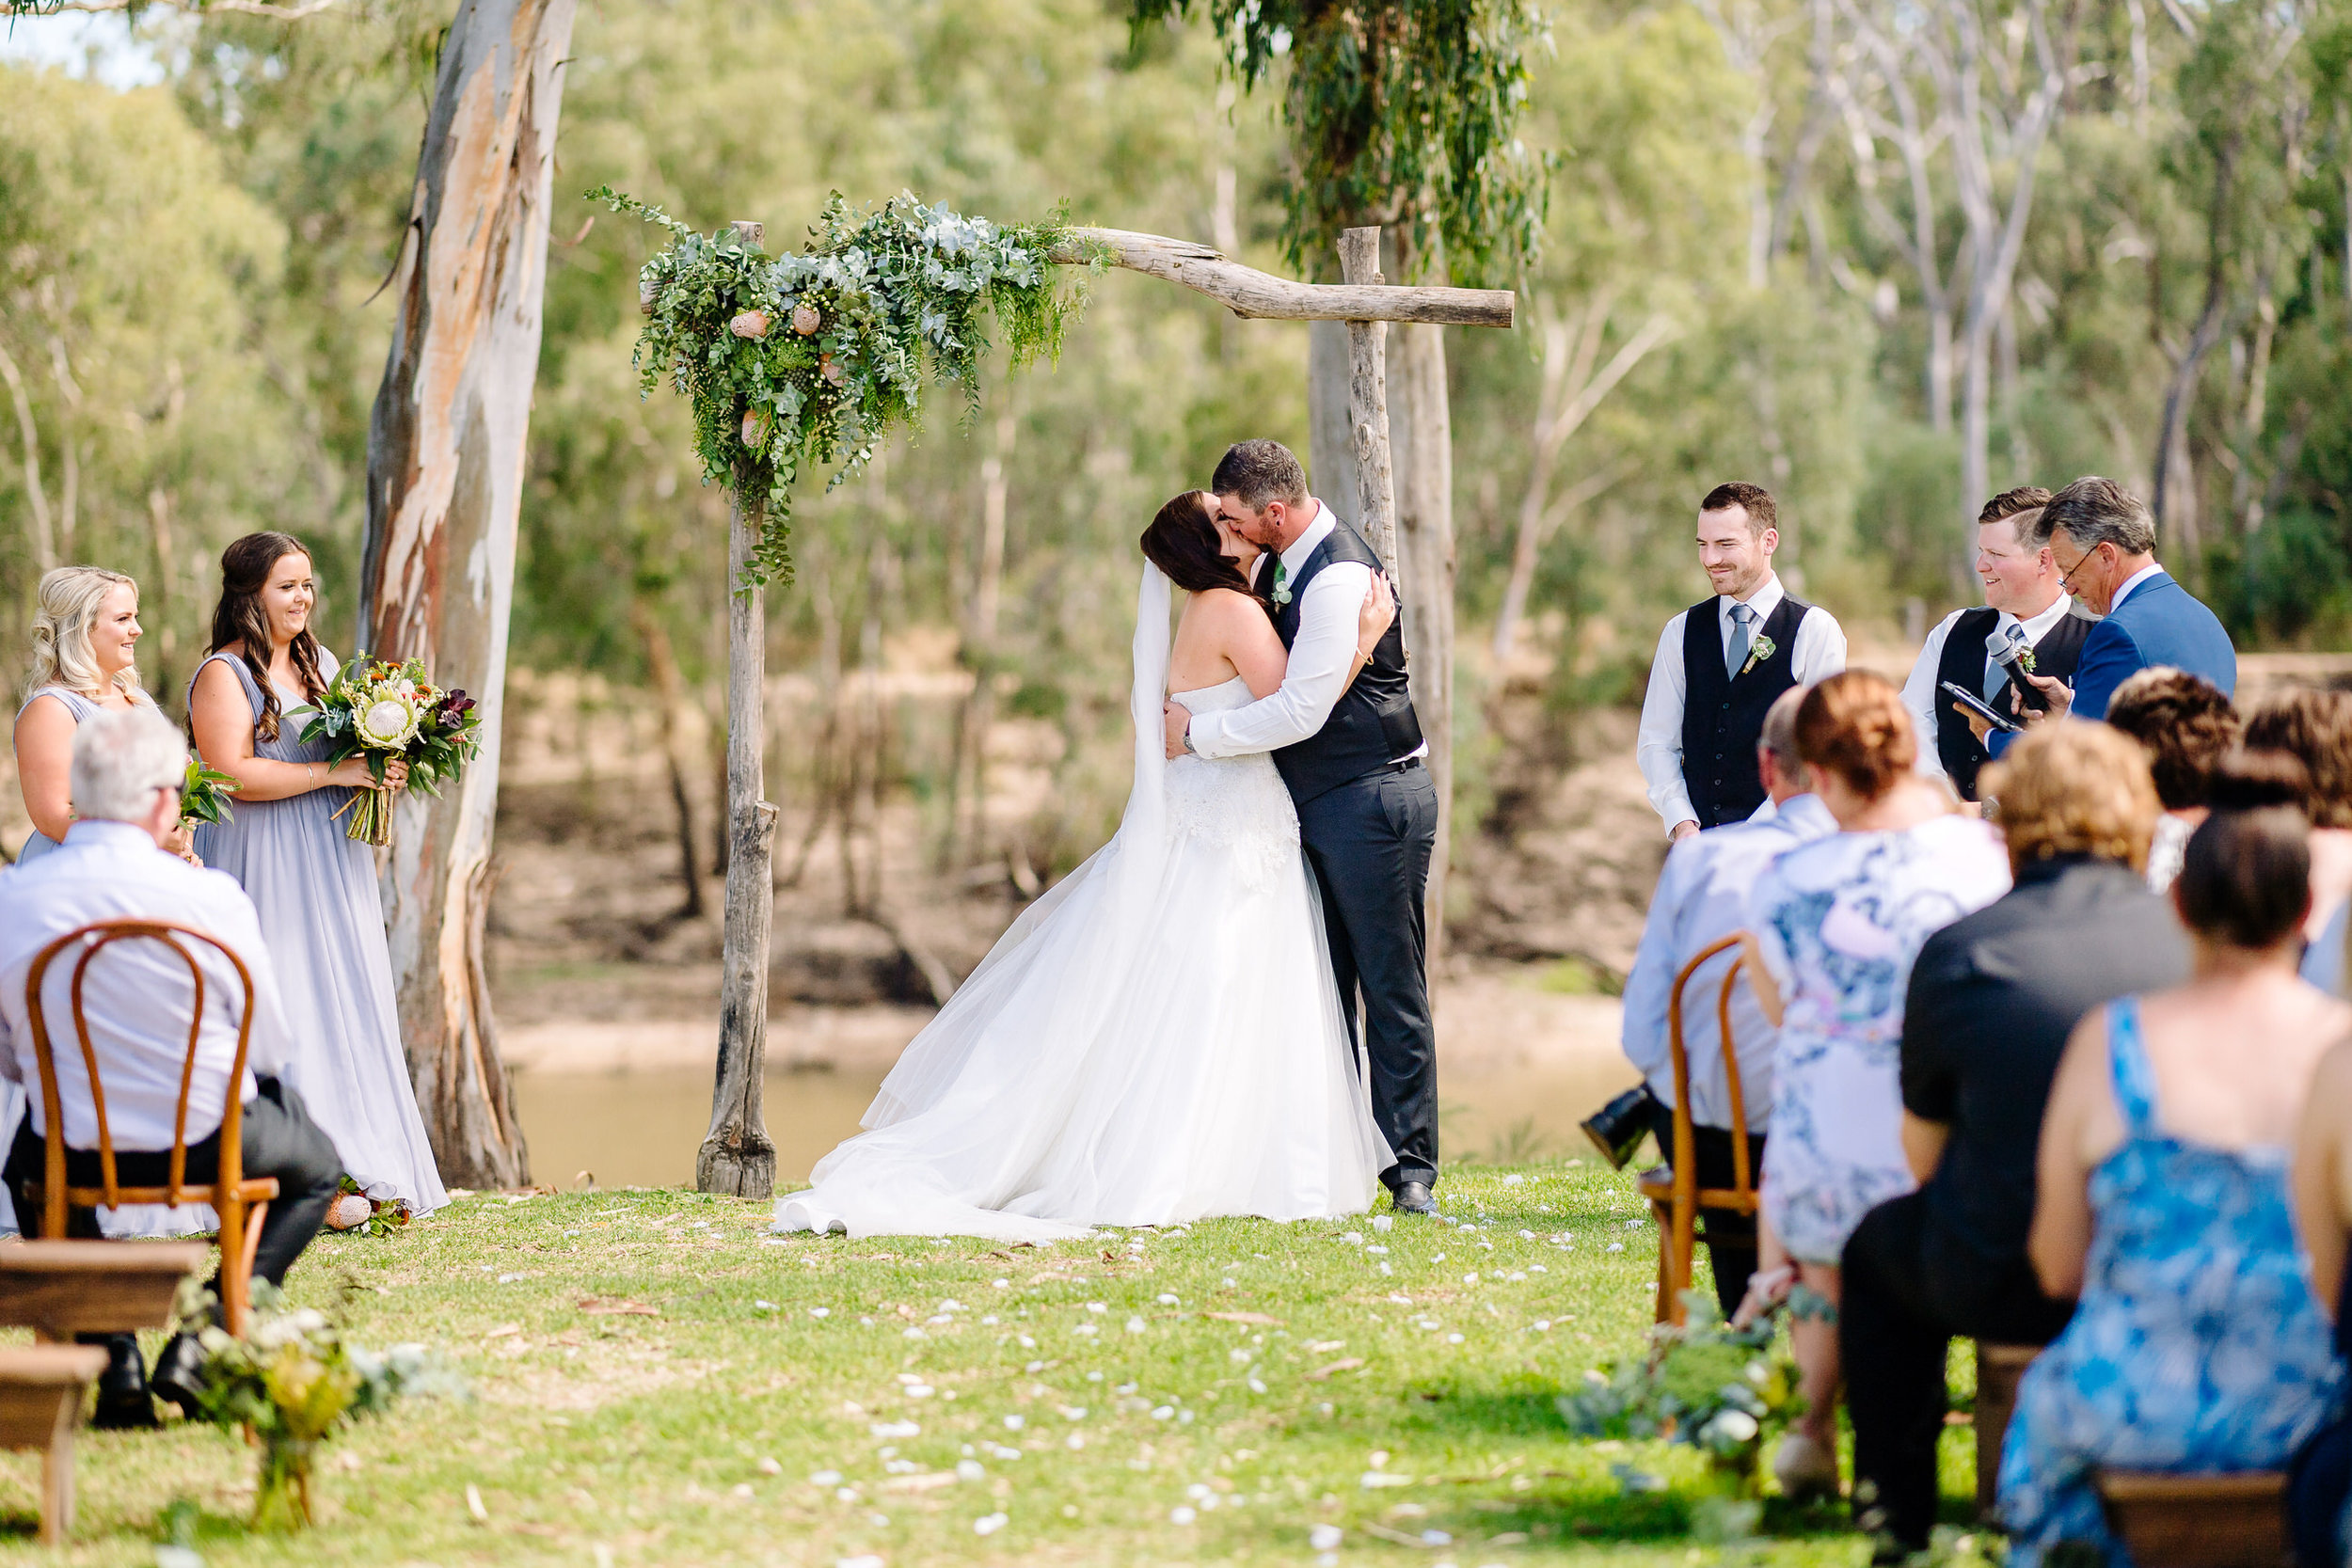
{"x": 229, "y": 1193}
{"x": 1681, "y": 1201}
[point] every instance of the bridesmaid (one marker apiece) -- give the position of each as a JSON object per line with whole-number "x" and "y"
{"x": 86, "y": 633}
{"x": 314, "y": 887}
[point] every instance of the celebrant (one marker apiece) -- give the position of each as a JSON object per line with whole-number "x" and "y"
{"x": 312, "y": 885}
{"x": 1721, "y": 665}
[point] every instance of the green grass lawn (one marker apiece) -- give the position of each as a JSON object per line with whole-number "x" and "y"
{"x": 658, "y": 1381}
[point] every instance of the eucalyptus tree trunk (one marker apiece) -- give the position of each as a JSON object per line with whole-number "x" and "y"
{"x": 445, "y": 469}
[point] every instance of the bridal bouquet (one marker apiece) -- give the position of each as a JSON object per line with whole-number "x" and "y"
{"x": 378, "y": 710}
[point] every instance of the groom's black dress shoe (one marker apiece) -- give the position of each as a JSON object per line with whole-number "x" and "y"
{"x": 122, "y": 1397}
{"x": 179, "y": 1373}
{"x": 1414, "y": 1197}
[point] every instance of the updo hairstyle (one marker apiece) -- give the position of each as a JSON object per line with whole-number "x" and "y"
{"x": 66, "y": 608}
{"x": 2245, "y": 878}
{"x": 2185, "y": 726}
{"x": 2315, "y": 728}
{"x": 1183, "y": 542}
{"x": 239, "y": 618}
{"x": 2074, "y": 789}
{"x": 1854, "y": 725}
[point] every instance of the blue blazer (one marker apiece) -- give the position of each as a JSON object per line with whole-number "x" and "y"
{"x": 2159, "y": 623}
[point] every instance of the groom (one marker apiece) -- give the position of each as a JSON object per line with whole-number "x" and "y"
{"x": 1352, "y": 756}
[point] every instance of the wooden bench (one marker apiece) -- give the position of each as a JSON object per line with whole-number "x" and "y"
{"x": 61, "y": 1289}
{"x": 1999, "y": 1368}
{"x": 2185, "y": 1521}
{"x": 40, "y": 1404}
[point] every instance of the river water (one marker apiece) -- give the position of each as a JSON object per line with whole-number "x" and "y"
{"x": 642, "y": 1127}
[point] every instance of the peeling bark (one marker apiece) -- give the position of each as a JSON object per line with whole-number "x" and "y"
{"x": 446, "y": 451}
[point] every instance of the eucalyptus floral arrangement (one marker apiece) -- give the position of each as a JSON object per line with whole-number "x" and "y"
{"x": 204, "y": 795}
{"x": 811, "y": 359}
{"x": 292, "y": 1380}
{"x": 1719, "y": 1389}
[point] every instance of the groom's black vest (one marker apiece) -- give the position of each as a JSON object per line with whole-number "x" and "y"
{"x": 1965, "y": 664}
{"x": 1723, "y": 712}
{"x": 1372, "y": 723}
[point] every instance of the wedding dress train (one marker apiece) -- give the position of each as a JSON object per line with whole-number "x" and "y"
{"x": 1156, "y": 1040}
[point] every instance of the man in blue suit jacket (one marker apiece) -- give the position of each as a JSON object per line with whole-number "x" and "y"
{"x": 2104, "y": 543}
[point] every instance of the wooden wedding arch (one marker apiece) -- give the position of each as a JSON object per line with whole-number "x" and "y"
{"x": 737, "y": 1155}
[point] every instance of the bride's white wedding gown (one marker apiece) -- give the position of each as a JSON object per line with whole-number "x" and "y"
{"x": 1156, "y": 1040}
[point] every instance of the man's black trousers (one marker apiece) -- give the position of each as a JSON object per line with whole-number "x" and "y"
{"x": 1907, "y": 1293}
{"x": 279, "y": 1139}
{"x": 1370, "y": 841}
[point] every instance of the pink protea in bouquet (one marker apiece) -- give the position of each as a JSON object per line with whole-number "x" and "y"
{"x": 377, "y": 710}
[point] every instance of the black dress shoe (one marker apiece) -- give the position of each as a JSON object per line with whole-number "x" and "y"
{"x": 1414, "y": 1197}
{"x": 122, "y": 1399}
{"x": 178, "y": 1374}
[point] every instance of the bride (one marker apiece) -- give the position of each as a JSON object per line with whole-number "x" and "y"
{"x": 1158, "y": 1039}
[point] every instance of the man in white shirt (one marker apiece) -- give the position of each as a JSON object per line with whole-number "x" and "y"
{"x": 126, "y": 775}
{"x": 1351, "y": 753}
{"x": 2022, "y": 590}
{"x": 1702, "y": 897}
{"x": 1721, "y": 663}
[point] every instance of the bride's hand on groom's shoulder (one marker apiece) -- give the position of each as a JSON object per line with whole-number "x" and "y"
{"x": 1177, "y": 717}
{"x": 1377, "y": 614}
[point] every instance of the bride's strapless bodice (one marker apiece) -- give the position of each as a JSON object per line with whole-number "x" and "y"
{"x": 1236, "y": 802}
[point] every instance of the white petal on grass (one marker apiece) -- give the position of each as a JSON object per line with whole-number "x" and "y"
{"x": 1181, "y": 1515}
{"x": 825, "y": 1477}
{"x": 988, "y": 1523}
{"x": 1166, "y": 1300}
{"x": 1325, "y": 1538}
{"x": 970, "y": 1470}
{"x": 868, "y": 1560}
{"x": 1136, "y": 1325}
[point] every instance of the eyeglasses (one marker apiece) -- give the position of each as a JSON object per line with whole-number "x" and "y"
{"x": 2066, "y": 575}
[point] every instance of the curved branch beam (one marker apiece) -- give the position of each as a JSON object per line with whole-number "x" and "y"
{"x": 1250, "y": 293}
{"x": 293, "y": 12}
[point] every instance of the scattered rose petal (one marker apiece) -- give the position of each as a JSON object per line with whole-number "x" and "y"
{"x": 988, "y": 1523}
{"x": 1181, "y": 1515}
{"x": 1325, "y": 1538}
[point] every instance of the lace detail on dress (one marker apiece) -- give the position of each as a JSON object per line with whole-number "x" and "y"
{"x": 1237, "y": 803}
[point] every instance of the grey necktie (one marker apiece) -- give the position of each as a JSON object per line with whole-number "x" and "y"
{"x": 1743, "y": 618}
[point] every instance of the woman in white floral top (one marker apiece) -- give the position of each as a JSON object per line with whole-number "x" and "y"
{"x": 1833, "y": 928}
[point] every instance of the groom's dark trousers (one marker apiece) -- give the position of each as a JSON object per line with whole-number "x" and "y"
{"x": 1370, "y": 841}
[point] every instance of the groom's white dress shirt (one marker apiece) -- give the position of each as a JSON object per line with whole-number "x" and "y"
{"x": 1820, "y": 652}
{"x": 1702, "y": 897}
{"x": 1923, "y": 694}
{"x": 137, "y": 994}
{"x": 1323, "y": 657}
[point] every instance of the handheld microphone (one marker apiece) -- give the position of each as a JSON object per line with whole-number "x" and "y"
{"x": 2007, "y": 646}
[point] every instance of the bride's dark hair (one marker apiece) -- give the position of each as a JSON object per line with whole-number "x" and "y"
{"x": 1183, "y": 542}
{"x": 239, "y": 618}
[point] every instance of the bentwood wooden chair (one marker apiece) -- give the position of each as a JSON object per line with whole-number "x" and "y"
{"x": 1672, "y": 1190}
{"x": 241, "y": 1202}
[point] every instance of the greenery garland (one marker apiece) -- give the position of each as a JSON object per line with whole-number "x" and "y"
{"x": 800, "y": 360}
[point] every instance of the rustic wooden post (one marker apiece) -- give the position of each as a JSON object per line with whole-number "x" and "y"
{"x": 1368, "y": 405}
{"x": 736, "y": 1156}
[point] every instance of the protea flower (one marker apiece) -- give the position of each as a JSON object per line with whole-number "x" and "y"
{"x": 751, "y": 323}
{"x": 388, "y": 721}
{"x": 755, "y": 428}
{"x": 805, "y": 321}
{"x": 830, "y": 369}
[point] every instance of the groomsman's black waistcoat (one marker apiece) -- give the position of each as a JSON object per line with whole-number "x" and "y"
{"x": 1723, "y": 716}
{"x": 1372, "y": 723}
{"x": 1966, "y": 663}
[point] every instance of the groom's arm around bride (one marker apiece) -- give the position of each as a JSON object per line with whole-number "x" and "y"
{"x": 1351, "y": 753}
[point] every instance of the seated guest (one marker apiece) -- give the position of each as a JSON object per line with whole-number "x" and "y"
{"x": 2322, "y": 1475}
{"x": 2162, "y": 1199}
{"x": 1992, "y": 998}
{"x": 2105, "y": 542}
{"x": 2316, "y": 729}
{"x": 1702, "y": 897}
{"x": 2023, "y": 597}
{"x": 127, "y": 769}
{"x": 1833, "y": 928}
{"x": 2186, "y": 727}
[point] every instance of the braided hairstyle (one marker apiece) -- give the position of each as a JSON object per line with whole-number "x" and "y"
{"x": 244, "y": 569}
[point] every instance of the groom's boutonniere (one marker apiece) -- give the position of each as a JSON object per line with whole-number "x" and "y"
{"x": 1758, "y": 651}
{"x": 2024, "y": 660}
{"x": 1281, "y": 584}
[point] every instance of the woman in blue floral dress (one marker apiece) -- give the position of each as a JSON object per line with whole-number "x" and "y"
{"x": 1835, "y": 925}
{"x": 2163, "y": 1202}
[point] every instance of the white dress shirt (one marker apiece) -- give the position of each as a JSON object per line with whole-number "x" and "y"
{"x": 1322, "y": 659}
{"x": 2131, "y": 582}
{"x": 137, "y": 994}
{"x": 1702, "y": 897}
{"x": 1923, "y": 693}
{"x": 1819, "y": 651}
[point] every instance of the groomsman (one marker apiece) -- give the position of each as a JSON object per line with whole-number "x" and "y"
{"x": 2020, "y": 589}
{"x": 1721, "y": 664}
